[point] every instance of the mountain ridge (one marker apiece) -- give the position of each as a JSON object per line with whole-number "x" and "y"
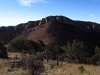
{"x": 37, "y": 30}
{"x": 63, "y": 19}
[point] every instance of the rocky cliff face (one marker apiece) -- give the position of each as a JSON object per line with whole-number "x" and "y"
{"x": 37, "y": 30}
{"x": 85, "y": 26}
{"x": 56, "y": 19}
{"x": 88, "y": 26}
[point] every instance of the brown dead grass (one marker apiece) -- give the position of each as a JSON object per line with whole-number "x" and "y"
{"x": 65, "y": 69}
{"x": 5, "y": 69}
{"x": 71, "y": 69}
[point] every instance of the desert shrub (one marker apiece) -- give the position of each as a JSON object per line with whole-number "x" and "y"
{"x": 77, "y": 50}
{"x": 41, "y": 45}
{"x": 17, "y": 44}
{"x": 34, "y": 65}
{"x": 3, "y": 51}
{"x": 81, "y": 68}
{"x": 23, "y": 60}
{"x": 20, "y": 44}
{"x": 96, "y": 57}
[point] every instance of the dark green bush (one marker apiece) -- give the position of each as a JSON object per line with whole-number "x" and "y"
{"x": 81, "y": 68}
{"x": 3, "y": 51}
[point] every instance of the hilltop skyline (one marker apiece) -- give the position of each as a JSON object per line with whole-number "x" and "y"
{"x": 14, "y": 12}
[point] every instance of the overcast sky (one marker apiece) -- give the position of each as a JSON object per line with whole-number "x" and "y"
{"x": 13, "y": 12}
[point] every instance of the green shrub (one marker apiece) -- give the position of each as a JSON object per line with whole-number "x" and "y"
{"x": 3, "y": 51}
{"x": 81, "y": 68}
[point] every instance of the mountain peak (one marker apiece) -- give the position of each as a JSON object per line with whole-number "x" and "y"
{"x": 58, "y": 25}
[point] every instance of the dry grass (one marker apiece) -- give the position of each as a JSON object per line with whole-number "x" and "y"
{"x": 14, "y": 54}
{"x": 65, "y": 69}
{"x": 71, "y": 69}
{"x": 5, "y": 69}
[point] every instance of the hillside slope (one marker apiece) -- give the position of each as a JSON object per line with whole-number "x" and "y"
{"x": 53, "y": 28}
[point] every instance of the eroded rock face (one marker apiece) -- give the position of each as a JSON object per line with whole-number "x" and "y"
{"x": 56, "y": 19}
{"x": 85, "y": 26}
{"x": 42, "y": 21}
{"x": 31, "y": 24}
{"x": 88, "y": 26}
